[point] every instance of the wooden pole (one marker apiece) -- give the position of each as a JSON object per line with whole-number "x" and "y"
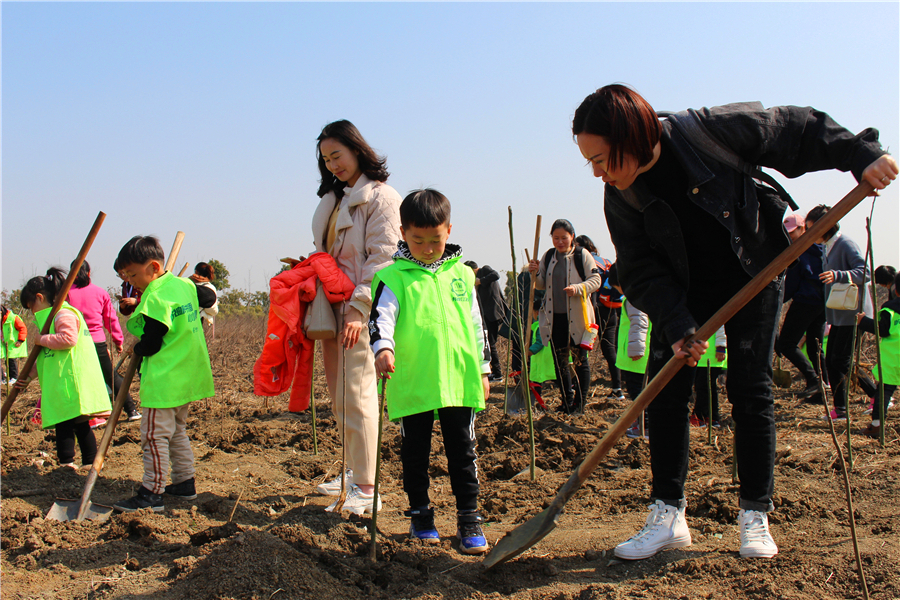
{"x": 60, "y": 298}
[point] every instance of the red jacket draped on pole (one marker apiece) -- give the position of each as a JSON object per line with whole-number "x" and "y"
{"x": 287, "y": 356}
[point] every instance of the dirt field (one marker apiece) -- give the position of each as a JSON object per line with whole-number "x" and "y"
{"x": 259, "y": 531}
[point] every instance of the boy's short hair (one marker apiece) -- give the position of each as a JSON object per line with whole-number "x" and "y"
{"x": 139, "y": 250}
{"x": 424, "y": 208}
{"x": 815, "y": 215}
{"x": 471, "y": 264}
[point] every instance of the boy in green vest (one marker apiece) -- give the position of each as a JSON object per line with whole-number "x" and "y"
{"x": 426, "y": 332}
{"x": 174, "y": 370}
{"x": 889, "y": 375}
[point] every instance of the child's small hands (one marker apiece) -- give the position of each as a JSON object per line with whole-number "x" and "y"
{"x": 720, "y": 356}
{"x": 860, "y": 317}
{"x": 119, "y": 347}
{"x": 638, "y": 357}
{"x": 18, "y": 343}
{"x": 384, "y": 363}
{"x": 486, "y": 385}
{"x": 21, "y": 384}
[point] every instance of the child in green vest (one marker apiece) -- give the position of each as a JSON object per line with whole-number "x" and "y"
{"x": 174, "y": 369}
{"x": 12, "y": 345}
{"x": 426, "y": 332}
{"x": 72, "y": 386}
{"x": 889, "y": 375}
{"x": 631, "y": 355}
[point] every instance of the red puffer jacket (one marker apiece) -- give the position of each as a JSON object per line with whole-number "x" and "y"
{"x": 287, "y": 356}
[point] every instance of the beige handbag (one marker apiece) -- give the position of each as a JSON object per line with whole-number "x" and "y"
{"x": 319, "y": 323}
{"x": 843, "y": 296}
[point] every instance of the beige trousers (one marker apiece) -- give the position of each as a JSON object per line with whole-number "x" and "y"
{"x": 164, "y": 440}
{"x": 354, "y": 396}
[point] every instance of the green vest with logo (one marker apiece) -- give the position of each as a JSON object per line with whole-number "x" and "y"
{"x": 71, "y": 380}
{"x": 623, "y": 361}
{"x": 436, "y": 358}
{"x": 890, "y": 352}
{"x": 180, "y": 372}
{"x": 541, "y": 366}
{"x": 10, "y": 337}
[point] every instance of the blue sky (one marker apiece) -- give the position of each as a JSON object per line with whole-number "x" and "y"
{"x": 203, "y": 116}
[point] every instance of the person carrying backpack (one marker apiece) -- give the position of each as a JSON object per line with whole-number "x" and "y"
{"x": 562, "y": 318}
{"x": 690, "y": 231}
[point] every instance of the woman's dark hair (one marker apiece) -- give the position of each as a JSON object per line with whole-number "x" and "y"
{"x": 564, "y": 224}
{"x": 371, "y": 164}
{"x": 622, "y": 116}
{"x": 48, "y": 286}
{"x": 815, "y": 215}
{"x": 206, "y": 270}
{"x": 83, "y": 279}
{"x": 587, "y": 243}
{"x": 424, "y": 208}
{"x": 885, "y": 275}
{"x": 139, "y": 250}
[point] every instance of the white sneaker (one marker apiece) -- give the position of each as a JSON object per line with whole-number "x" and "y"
{"x": 333, "y": 487}
{"x": 665, "y": 528}
{"x": 756, "y": 541}
{"x": 357, "y": 502}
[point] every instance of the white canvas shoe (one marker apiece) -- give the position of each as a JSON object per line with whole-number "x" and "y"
{"x": 665, "y": 528}
{"x": 756, "y": 541}
{"x": 357, "y": 502}
{"x": 333, "y": 487}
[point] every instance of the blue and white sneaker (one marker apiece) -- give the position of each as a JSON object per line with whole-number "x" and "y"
{"x": 471, "y": 537}
{"x": 422, "y": 525}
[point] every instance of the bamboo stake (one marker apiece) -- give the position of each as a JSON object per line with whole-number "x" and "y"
{"x": 60, "y": 298}
{"x": 183, "y": 269}
{"x": 530, "y": 313}
{"x": 312, "y": 402}
{"x": 709, "y": 395}
{"x": 373, "y": 552}
{"x": 516, "y": 312}
{"x": 879, "y": 399}
{"x": 847, "y": 490}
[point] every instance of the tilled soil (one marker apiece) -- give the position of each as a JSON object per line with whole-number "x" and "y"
{"x": 258, "y": 530}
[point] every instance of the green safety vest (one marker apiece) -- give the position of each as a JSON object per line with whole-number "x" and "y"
{"x": 890, "y": 352}
{"x": 709, "y": 357}
{"x": 10, "y": 337}
{"x": 623, "y": 361}
{"x": 71, "y": 380}
{"x": 436, "y": 360}
{"x": 179, "y": 373}
{"x": 541, "y": 366}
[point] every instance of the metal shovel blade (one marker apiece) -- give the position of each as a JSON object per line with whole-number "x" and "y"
{"x": 781, "y": 377}
{"x": 67, "y": 510}
{"x": 515, "y": 401}
{"x": 523, "y": 537}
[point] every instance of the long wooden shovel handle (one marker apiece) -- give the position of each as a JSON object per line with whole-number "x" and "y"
{"x": 173, "y": 253}
{"x": 753, "y": 287}
{"x": 60, "y": 298}
{"x": 107, "y": 436}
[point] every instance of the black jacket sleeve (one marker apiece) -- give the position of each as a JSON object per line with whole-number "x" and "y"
{"x": 151, "y": 339}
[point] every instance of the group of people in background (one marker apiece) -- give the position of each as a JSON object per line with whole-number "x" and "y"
{"x": 689, "y": 233}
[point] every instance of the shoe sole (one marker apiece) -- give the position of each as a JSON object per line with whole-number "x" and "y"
{"x": 324, "y": 491}
{"x": 681, "y": 543}
{"x": 190, "y": 497}
{"x": 476, "y": 550}
{"x": 428, "y": 540}
{"x": 758, "y": 553}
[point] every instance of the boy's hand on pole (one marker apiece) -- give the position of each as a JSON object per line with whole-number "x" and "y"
{"x": 384, "y": 363}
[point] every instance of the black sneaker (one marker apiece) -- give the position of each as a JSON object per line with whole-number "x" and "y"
{"x": 471, "y": 537}
{"x": 143, "y": 499}
{"x": 185, "y": 489}
{"x": 422, "y": 525}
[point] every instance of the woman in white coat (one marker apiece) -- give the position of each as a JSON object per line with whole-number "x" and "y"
{"x": 358, "y": 223}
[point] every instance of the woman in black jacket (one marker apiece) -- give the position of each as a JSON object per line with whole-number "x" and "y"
{"x": 690, "y": 232}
